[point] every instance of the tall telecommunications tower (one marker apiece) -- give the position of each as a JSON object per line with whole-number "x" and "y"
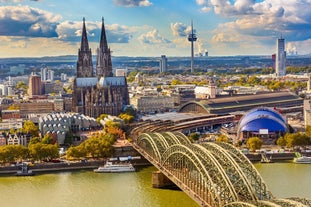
{"x": 192, "y": 38}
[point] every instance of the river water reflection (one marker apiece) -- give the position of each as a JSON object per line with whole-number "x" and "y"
{"x": 85, "y": 188}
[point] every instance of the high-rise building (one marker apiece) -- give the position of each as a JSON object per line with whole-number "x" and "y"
{"x": 99, "y": 93}
{"x": 43, "y": 74}
{"x": 50, "y": 75}
{"x": 35, "y": 86}
{"x": 163, "y": 64}
{"x": 280, "y": 57}
{"x": 63, "y": 77}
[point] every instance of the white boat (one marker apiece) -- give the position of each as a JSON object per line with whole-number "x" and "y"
{"x": 115, "y": 167}
{"x": 302, "y": 159}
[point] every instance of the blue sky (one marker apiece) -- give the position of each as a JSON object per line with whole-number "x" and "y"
{"x": 35, "y": 28}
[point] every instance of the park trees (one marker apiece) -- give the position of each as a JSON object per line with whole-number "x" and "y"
{"x": 254, "y": 143}
{"x": 40, "y": 151}
{"x": 294, "y": 139}
{"x": 98, "y": 145}
{"x": 13, "y": 153}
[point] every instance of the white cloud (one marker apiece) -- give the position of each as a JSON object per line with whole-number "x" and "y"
{"x": 258, "y": 23}
{"x": 180, "y": 29}
{"x": 27, "y": 21}
{"x": 153, "y": 37}
{"x": 132, "y": 3}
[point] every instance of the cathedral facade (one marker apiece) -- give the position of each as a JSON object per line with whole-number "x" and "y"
{"x": 97, "y": 92}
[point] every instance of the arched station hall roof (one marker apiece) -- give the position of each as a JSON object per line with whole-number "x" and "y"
{"x": 229, "y": 104}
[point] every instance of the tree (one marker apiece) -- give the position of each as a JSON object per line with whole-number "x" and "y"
{"x": 75, "y": 152}
{"x": 99, "y": 145}
{"x": 175, "y": 82}
{"x": 47, "y": 139}
{"x": 30, "y": 127}
{"x": 194, "y": 136}
{"x": 254, "y": 143}
{"x": 222, "y": 138}
{"x": 308, "y": 130}
{"x": 20, "y": 85}
{"x": 130, "y": 111}
{"x": 13, "y": 153}
{"x": 127, "y": 118}
{"x": 296, "y": 139}
{"x": 13, "y": 107}
{"x": 281, "y": 142}
{"x": 34, "y": 140}
{"x": 40, "y": 151}
{"x": 101, "y": 117}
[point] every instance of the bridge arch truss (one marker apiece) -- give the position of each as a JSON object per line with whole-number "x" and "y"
{"x": 212, "y": 174}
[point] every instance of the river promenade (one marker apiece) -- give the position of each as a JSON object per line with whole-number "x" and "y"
{"x": 123, "y": 150}
{"x": 64, "y": 166}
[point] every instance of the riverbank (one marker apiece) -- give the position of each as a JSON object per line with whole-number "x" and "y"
{"x": 64, "y": 166}
{"x": 254, "y": 157}
{"x": 123, "y": 151}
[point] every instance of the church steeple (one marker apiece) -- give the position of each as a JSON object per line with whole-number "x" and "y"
{"x": 103, "y": 38}
{"x": 84, "y": 41}
{"x": 104, "y": 63}
{"x": 84, "y": 64}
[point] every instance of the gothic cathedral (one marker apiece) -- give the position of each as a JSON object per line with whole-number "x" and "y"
{"x": 98, "y": 92}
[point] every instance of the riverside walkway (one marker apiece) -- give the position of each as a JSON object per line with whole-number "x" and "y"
{"x": 212, "y": 174}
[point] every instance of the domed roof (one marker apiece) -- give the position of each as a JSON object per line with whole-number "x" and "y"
{"x": 263, "y": 118}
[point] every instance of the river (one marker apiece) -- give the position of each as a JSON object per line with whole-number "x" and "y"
{"x": 86, "y": 188}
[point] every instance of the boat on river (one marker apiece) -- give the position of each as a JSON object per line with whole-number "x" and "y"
{"x": 302, "y": 159}
{"x": 111, "y": 167}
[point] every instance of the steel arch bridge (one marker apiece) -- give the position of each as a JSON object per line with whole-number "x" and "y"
{"x": 213, "y": 174}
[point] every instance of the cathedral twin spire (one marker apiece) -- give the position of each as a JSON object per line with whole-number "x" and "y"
{"x": 103, "y": 63}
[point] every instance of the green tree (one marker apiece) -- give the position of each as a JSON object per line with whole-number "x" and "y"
{"x": 127, "y": 118}
{"x": 34, "y": 140}
{"x": 113, "y": 124}
{"x": 13, "y": 153}
{"x": 47, "y": 139}
{"x": 175, "y": 82}
{"x": 130, "y": 111}
{"x": 194, "y": 136}
{"x": 254, "y": 143}
{"x": 281, "y": 142}
{"x": 30, "y": 127}
{"x": 40, "y": 151}
{"x": 13, "y": 107}
{"x": 308, "y": 130}
{"x": 75, "y": 152}
{"x": 99, "y": 145}
{"x": 101, "y": 117}
{"x": 20, "y": 85}
{"x": 222, "y": 138}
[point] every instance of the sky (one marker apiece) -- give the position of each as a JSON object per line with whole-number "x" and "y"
{"x": 37, "y": 28}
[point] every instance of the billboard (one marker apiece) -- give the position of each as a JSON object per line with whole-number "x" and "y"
{"x": 263, "y": 131}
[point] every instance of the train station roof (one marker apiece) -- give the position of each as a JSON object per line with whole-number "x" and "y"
{"x": 234, "y": 103}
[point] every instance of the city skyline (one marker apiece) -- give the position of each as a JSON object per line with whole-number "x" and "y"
{"x": 36, "y": 28}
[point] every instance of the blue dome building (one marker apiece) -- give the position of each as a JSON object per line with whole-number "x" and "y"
{"x": 264, "y": 123}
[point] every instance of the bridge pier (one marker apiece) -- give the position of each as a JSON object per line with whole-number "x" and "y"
{"x": 159, "y": 180}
